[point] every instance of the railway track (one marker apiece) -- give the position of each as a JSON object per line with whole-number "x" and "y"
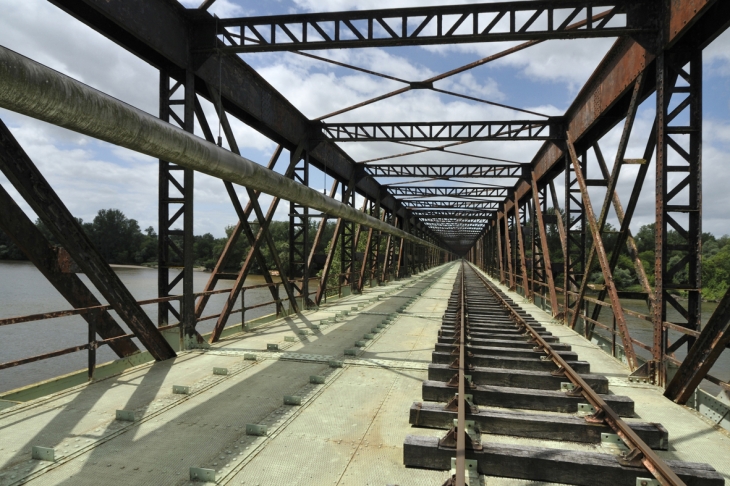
{"x": 498, "y": 377}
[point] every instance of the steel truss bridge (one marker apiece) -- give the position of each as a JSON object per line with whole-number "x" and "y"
{"x": 498, "y": 219}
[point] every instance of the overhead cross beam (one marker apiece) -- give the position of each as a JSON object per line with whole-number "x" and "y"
{"x": 426, "y": 215}
{"x": 483, "y": 22}
{"x": 449, "y": 170}
{"x": 425, "y": 191}
{"x": 416, "y": 204}
{"x": 477, "y": 131}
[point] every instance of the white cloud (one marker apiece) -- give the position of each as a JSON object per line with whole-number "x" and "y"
{"x": 91, "y": 175}
{"x": 717, "y": 55}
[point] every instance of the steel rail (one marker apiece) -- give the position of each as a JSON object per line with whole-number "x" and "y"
{"x": 461, "y": 411}
{"x": 639, "y": 449}
{"x": 35, "y": 90}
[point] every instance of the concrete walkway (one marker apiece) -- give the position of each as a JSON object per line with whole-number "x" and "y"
{"x": 349, "y": 430}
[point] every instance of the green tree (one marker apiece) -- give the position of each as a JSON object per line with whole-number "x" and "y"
{"x": 116, "y": 237}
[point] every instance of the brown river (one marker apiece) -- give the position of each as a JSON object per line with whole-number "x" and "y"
{"x": 23, "y": 290}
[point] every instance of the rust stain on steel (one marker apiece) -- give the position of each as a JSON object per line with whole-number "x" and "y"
{"x": 682, "y": 14}
{"x": 66, "y": 264}
{"x": 614, "y": 77}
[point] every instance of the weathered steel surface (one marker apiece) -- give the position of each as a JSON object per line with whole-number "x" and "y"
{"x": 713, "y": 339}
{"x": 422, "y": 25}
{"x": 37, "y": 248}
{"x": 30, "y": 183}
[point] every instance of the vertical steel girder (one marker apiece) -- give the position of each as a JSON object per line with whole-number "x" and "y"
{"x": 624, "y": 235}
{"x": 33, "y": 187}
{"x": 678, "y": 198}
{"x": 21, "y": 230}
{"x": 349, "y": 242}
{"x": 546, "y": 265}
{"x": 175, "y": 246}
{"x": 589, "y": 215}
{"x": 574, "y": 236}
{"x": 508, "y": 251}
{"x": 500, "y": 253}
{"x": 521, "y": 249}
{"x": 299, "y": 232}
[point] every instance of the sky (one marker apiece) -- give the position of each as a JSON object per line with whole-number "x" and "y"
{"x": 90, "y": 175}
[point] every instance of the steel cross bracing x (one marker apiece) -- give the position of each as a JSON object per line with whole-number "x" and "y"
{"x": 442, "y": 131}
{"x": 484, "y": 22}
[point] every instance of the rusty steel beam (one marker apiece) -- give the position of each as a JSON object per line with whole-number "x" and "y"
{"x": 30, "y": 183}
{"x": 339, "y": 228}
{"x": 479, "y": 131}
{"x": 605, "y": 97}
{"x": 435, "y": 191}
{"x": 427, "y": 25}
{"x": 609, "y": 197}
{"x": 713, "y": 339}
{"x": 618, "y": 311}
{"x": 440, "y": 171}
{"x": 624, "y": 234}
{"x": 521, "y": 250}
{"x": 499, "y": 248}
{"x": 21, "y": 230}
{"x": 508, "y": 250}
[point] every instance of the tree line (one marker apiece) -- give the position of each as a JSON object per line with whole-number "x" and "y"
{"x": 120, "y": 240}
{"x": 715, "y": 258}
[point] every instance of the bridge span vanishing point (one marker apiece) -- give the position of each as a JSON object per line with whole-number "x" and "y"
{"x": 437, "y": 337}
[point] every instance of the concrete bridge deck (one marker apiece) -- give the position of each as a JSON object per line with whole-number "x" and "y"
{"x": 347, "y": 431}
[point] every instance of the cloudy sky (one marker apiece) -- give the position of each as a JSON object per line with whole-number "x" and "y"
{"x": 90, "y": 175}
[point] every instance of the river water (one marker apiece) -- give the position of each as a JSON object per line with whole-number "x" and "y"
{"x": 24, "y": 290}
